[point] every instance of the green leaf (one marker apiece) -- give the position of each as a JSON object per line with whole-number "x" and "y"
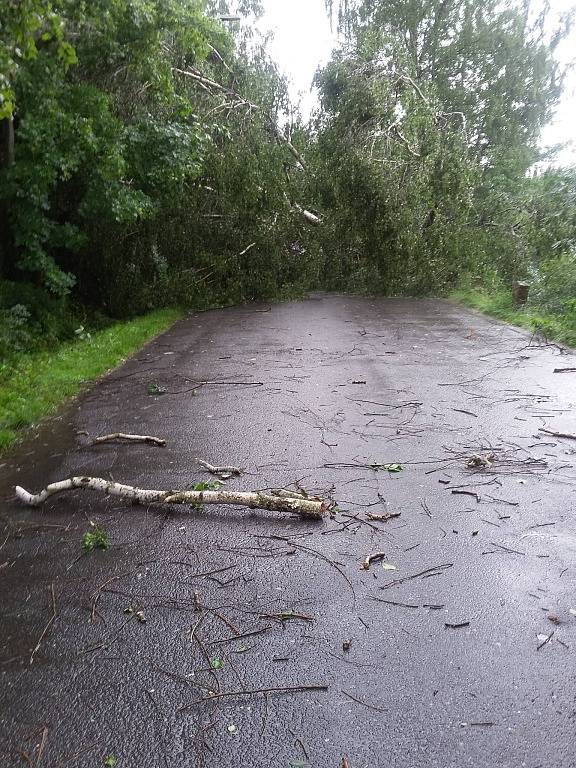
{"x": 95, "y": 538}
{"x": 208, "y": 486}
{"x": 110, "y": 761}
{"x": 155, "y": 389}
{"x": 216, "y": 663}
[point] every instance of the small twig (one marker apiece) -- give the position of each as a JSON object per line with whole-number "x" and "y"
{"x": 547, "y": 640}
{"x": 566, "y": 435}
{"x": 435, "y": 571}
{"x": 383, "y": 518}
{"x": 393, "y": 602}
{"x": 239, "y": 637}
{"x": 287, "y": 616}
{"x": 363, "y": 703}
{"x": 467, "y": 493}
{"x": 42, "y": 745}
{"x": 47, "y": 627}
{"x": 130, "y": 438}
{"x": 318, "y": 554}
{"x": 254, "y": 691}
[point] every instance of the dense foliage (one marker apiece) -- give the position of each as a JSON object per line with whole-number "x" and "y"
{"x": 141, "y": 175}
{"x": 145, "y": 161}
{"x": 431, "y": 116}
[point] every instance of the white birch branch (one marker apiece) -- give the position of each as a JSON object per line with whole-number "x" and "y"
{"x": 254, "y": 500}
{"x": 219, "y": 470}
{"x": 129, "y": 438}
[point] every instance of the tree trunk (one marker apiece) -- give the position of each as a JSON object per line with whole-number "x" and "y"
{"x": 6, "y": 160}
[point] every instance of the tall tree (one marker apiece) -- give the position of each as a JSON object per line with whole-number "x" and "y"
{"x": 454, "y": 94}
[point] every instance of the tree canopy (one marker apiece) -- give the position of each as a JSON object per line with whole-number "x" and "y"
{"x": 148, "y": 155}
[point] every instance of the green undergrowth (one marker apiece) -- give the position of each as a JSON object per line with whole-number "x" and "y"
{"x": 35, "y": 385}
{"x": 498, "y": 302}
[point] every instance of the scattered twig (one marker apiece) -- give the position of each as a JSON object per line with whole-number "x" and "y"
{"x": 318, "y": 554}
{"x": 436, "y": 570}
{"x": 467, "y": 493}
{"x": 393, "y": 602}
{"x": 51, "y": 620}
{"x": 238, "y": 637}
{"x": 506, "y": 549}
{"x": 564, "y": 370}
{"x": 363, "y": 703}
{"x": 254, "y": 691}
{"x": 98, "y": 593}
{"x": 383, "y": 518}
{"x": 460, "y": 625}
{"x": 566, "y": 435}
{"x": 287, "y": 616}
{"x": 129, "y": 438}
{"x": 42, "y": 746}
{"x": 547, "y": 640}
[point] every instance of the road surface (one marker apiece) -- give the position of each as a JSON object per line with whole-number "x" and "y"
{"x": 463, "y": 655}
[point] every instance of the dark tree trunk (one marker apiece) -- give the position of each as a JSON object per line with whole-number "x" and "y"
{"x": 6, "y": 160}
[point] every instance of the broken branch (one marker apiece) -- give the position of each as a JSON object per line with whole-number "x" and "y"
{"x": 129, "y": 438}
{"x": 253, "y": 500}
{"x": 219, "y": 470}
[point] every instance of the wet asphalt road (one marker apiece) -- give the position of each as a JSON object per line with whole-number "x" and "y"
{"x": 322, "y": 384}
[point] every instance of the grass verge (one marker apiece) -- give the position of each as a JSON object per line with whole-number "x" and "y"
{"x": 499, "y": 303}
{"x": 39, "y": 383}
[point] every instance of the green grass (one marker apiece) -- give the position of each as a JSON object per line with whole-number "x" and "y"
{"x": 499, "y": 303}
{"x": 37, "y": 384}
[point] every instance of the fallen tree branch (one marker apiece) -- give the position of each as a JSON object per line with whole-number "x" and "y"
{"x": 253, "y": 500}
{"x": 130, "y": 438}
{"x": 219, "y": 470}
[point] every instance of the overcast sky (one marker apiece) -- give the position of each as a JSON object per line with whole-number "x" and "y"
{"x": 303, "y": 41}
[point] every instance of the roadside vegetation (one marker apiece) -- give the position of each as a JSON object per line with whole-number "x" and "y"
{"x": 34, "y": 385}
{"x": 150, "y": 158}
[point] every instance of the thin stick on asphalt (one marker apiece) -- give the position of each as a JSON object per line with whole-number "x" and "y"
{"x": 98, "y": 593}
{"x": 314, "y": 552}
{"x": 204, "y": 573}
{"x": 363, "y": 703}
{"x": 393, "y": 602}
{"x": 42, "y": 745}
{"x": 547, "y": 640}
{"x": 254, "y": 691}
{"x": 239, "y": 637}
{"x": 565, "y": 435}
{"x": 51, "y": 620}
{"x": 435, "y": 571}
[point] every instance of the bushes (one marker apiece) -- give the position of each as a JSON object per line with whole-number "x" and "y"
{"x": 32, "y": 319}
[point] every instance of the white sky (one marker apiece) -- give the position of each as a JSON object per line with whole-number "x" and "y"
{"x": 303, "y": 41}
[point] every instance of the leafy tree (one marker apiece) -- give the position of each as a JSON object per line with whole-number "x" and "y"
{"x": 448, "y": 98}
